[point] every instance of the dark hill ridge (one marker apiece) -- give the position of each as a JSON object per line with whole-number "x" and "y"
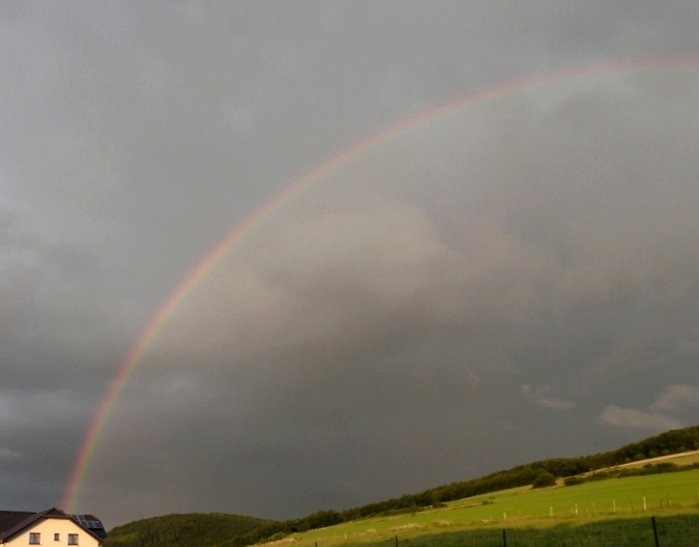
{"x": 234, "y": 530}
{"x": 183, "y": 530}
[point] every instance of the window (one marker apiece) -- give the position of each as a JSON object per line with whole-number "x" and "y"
{"x": 72, "y": 539}
{"x": 56, "y": 536}
{"x": 34, "y": 538}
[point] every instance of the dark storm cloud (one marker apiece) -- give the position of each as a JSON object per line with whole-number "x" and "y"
{"x": 375, "y": 325}
{"x": 520, "y": 274}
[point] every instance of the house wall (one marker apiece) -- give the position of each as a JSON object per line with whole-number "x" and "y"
{"x": 47, "y": 528}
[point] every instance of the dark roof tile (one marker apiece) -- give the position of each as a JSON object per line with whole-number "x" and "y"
{"x": 10, "y": 519}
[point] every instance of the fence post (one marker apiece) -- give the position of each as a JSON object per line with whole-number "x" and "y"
{"x": 655, "y": 532}
{"x": 395, "y": 538}
{"x": 504, "y": 538}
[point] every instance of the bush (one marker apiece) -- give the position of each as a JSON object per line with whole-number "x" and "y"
{"x": 544, "y": 479}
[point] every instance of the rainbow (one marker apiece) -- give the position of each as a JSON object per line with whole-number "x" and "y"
{"x": 210, "y": 261}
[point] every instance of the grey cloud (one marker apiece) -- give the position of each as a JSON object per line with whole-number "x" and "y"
{"x": 676, "y": 396}
{"x": 9, "y": 454}
{"x": 540, "y": 396}
{"x": 346, "y": 319}
{"x": 545, "y": 239}
{"x": 675, "y": 400}
{"x": 638, "y": 419}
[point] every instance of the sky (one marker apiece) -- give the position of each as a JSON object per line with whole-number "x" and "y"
{"x": 510, "y": 277}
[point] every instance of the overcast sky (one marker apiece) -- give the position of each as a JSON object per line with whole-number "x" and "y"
{"x": 514, "y": 280}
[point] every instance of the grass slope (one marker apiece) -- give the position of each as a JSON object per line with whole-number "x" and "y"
{"x": 674, "y": 531}
{"x": 487, "y": 504}
{"x": 182, "y": 530}
{"x": 596, "y": 506}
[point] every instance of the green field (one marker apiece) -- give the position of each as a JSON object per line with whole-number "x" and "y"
{"x": 627, "y": 497}
{"x": 624, "y": 499}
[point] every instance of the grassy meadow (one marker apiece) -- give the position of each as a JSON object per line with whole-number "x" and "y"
{"x": 621, "y": 499}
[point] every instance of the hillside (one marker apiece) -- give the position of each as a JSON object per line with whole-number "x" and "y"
{"x": 613, "y": 512}
{"x": 233, "y": 530}
{"x": 183, "y": 530}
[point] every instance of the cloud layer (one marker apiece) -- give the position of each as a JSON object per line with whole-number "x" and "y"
{"x": 512, "y": 281}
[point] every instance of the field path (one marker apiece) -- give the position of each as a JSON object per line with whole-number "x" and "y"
{"x": 679, "y": 455}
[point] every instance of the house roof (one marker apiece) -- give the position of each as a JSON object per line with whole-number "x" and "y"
{"x": 10, "y": 519}
{"x": 92, "y": 523}
{"x": 14, "y": 522}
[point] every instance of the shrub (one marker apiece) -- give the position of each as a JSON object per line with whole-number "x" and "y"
{"x": 544, "y": 479}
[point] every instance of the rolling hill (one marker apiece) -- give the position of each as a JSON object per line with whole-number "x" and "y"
{"x": 652, "y": 456}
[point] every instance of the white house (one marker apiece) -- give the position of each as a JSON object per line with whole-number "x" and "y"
{"x": 48, "y": 528}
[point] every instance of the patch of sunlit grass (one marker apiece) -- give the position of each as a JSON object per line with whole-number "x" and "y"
{"x": 613, "y": 499}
